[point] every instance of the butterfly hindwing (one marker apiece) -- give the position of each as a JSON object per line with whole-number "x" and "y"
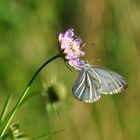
{"x": 86, "y": 87}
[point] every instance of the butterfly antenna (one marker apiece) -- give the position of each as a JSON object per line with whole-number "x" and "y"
{"x": 97, "y": 60}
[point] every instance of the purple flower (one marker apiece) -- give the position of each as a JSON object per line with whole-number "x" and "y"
{"x": 71, "y": 46}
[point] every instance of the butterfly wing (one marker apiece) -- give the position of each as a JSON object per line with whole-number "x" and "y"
{"x": 110, "y": 82}
{"x": 86, "y": 87}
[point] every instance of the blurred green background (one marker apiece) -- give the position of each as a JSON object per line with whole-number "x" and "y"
{"x": 28, "y": 36}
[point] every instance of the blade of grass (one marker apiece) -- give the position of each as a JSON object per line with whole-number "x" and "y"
{"x": 2, "y": 125}
{"x": 45, "y": 136}
{"x": 6, "y": 107}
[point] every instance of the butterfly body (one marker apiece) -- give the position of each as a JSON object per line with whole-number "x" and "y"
{"x": 93, "y": 81}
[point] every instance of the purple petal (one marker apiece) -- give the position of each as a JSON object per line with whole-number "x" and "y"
{"x": 82, "y": 53}
{"x": 78, "y": 41}
{"x": 77, "y": 64}
{"x": 69, "y": 33}
{"x": 70, "y": 55}
{"x": 64, "y": 46}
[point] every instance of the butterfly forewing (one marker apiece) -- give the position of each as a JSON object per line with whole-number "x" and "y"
{"x": 111, "y": 82}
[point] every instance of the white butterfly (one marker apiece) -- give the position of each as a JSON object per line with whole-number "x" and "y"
{"x": 93, "y": 81}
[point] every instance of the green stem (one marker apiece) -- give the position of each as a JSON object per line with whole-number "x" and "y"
{"x": 23, "y": 95}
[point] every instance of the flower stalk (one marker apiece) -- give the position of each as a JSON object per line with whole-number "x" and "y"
{"x": 23, "y": 95}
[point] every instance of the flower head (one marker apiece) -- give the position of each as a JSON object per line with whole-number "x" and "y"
{"x": 54, "y": 93}
{"x": 71, "y": 47}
